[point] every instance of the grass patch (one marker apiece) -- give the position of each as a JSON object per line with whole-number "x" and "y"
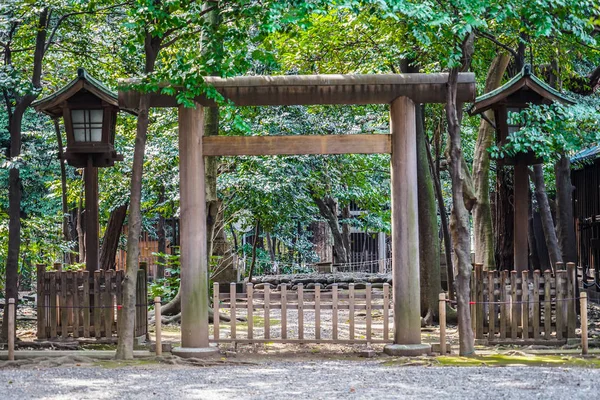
{"x": 501, "y": 360}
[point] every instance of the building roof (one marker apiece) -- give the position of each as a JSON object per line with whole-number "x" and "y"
{"x": 318, "y": 89}
{"x": 51, "y": 104}
{"x": 522, "y": 81}
{"x": 588, "y": 154}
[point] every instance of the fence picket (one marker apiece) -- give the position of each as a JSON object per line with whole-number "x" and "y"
{"x": 267, "y": 310}
{"x": 86, "y": 304}
{"x": 334, "y": 311}
{"x": 53, "y": 305}
{"x": 386, "y": 311}
{"x": 216, "y": 304}
{"x": 284, "y": 311}
{"x": 368, "y": 312}
{"x": 300, "y": 292}
{"x": 250, "y": 309}
{"x": 41, "y": 302}
{"x": 317, "y": 311}
{"x": 571, "y": 310}
{"x": 536, "y": 305}
{"x": 76, "y": 303}
{"x": 491, "y": 306}
{"x": 232, "y": 296}
{"x": 547, "y": 305}
{"x": 351, "y": 309}
{"x": 559, "y": 303}
{"x": 479, "y": 301}
{"x": 525, "y": 304}
{"x": 503, "y": 304}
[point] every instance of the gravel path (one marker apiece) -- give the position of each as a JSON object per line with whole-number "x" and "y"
{"x": 300, "y": 380}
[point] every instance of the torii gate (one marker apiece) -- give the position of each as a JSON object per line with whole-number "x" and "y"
{"x": 400, "y": 91}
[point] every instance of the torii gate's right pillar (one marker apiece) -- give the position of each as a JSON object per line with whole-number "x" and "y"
{"x": 405, "y": 232}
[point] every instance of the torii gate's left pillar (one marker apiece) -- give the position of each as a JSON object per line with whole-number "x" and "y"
{"x": 194, "y": 257}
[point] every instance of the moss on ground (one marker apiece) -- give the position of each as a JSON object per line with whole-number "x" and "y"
{"x": 259, "y": 322}
{"x": 500, "y": 360}
{"x": 110, "y": 364}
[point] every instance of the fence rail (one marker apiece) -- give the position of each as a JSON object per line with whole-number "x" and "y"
{"x": 506, "y": 306}
{"x": 306, "y": 316}
{"x": 84, "y": 304}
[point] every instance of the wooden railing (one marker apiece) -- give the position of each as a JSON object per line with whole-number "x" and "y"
{"x": 301, "y": 315}
{"x": 507, "y": 306}
{"x": 85, "y": 305}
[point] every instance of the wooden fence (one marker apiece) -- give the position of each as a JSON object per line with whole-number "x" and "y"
{"x": 507, "y": 306}
{"x": 85, "y": 305}
{"x": 306, "y": 316}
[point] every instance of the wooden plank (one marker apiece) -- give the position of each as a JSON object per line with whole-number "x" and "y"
{"x": 317, "y": 311}
{"x": 233, "y": 314}
{"x": 560, "y": 320}
{"x": 535, "y": 322}
{"x": 525, "y": 304}
{"x": 386, "y": 311}
{"x": 76, "y": 304}
{"x": 300, "y": 293}
{"x": 216, "y": 319}
{"x": 351, "y": 316}
{"x": 295, "y": 145}
{"x": 97, "y": 302}
{"x": 514, "y": 312}
{"x": 503, "y": 304}
{"x": 119, "y": 294}
{"x": 491, "y": 306}
{"x": 571, "y": 304}
{"x": 40, "y": 302}
{"x": 479, "y": 300}
{"x": 267, "y": 311}
{"x": 283, "y": 312}
{"x": 442, "y": 314}
{"x": 334, "y": 311}
{"x": 86, "y": 303}
{"x": 369, "y": 311}
{"x": 53, "y": 305}
{"x": 61, "y": 280}
{"x": 547, "y": 305}
{"x": 109, "y": 311}
{"x": 250, "y": 309}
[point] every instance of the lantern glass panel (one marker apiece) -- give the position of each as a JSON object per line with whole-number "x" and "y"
{"x": 87, "y": 125}
{"x": 511, "y": 127}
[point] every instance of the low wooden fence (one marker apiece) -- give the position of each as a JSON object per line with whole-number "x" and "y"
{"x": 84, "y": 304}
{"x": 507, "y": 306}
{"x": 306, "y": 316}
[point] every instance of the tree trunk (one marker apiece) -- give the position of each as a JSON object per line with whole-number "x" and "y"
{"x": 565, "y": 222}
{"x": 504, "y": 219}
{"x": 254, "y": 245}
{"x": 482, "y": 214}
{"x": 460, "y": 220}
{"x": 429, "y": 242}
{"x": 126, "y": 327}
{"x": 110, "y": 242}
{"x": 533, "y": 254}
{"x": 328, "y": 210}
{"x": 546, "y": 215}
{"x": 63, "y": 186}
{"x": 346, "y": 215}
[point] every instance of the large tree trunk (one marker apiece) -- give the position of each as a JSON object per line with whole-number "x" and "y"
{"x": 127, "y": 317}
{"x": 110, "y": 242}
{"x": 328, "y": 210}
{"x": 429, "y": 242}
{"x": 482, "y": 213}
{"x": 460, "y": 214}
{"x": 546, "y": 215}
{"x": 565, "y": 222}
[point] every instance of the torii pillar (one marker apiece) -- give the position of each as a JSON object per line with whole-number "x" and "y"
{"x": 194, "y": 261}
{"x": 405, "y": 232}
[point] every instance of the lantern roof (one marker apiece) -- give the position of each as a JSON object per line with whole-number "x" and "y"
{"x": 523, "y": 81}
{"x": 51, "y": 104}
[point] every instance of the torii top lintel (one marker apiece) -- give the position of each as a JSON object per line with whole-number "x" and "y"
{"x": 320, "y": 89}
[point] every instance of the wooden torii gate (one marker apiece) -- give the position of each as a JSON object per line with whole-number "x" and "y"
{"x": 400, "y": 91}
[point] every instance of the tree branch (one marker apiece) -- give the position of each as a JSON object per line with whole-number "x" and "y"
{"x": 496, "y": 41}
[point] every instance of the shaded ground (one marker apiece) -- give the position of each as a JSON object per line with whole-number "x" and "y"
{"x": 318, "y": 379}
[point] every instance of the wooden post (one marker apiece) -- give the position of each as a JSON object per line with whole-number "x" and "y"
{"x": 584, "y": 323}
{"x": 536, "y": 304}
{"x": 351, "y": 309}
{"x": 521, "y": 217}
{"x": 267, "y": 310}
{"x": 560, "y": 320}
{"x": 11, "y": 329}
{"x": 300, "y": 292}
{"x": 40, "y": 300}
{"x": 317, "y": 312}
{"x": 514, "y": 311}
{"x": 86, "y": 303}
{"x": 193, "y": 244}
{"x": 158, "y": 326}
{"x": 368, "y": 311}
{"x": 405, "y": 226}
{"x": 571, "y": 308}
{"x": 503, "y": 303}
{"x": 386, "y": 311}
{"x": 491, "y": 305}
{"x": 91, "y": 216}
{"x": 250, "y": 309}
{"x": 283, "y": 311}
{"x": 232, "y": 308}
{"x": 334, "y": 311}
{"x": 442, "y": 313}
{"x": 479, "y": 299}
{"x": 547, "y": 304}
{"x": 216, "y": 304}
{"x": 525, "y": 304}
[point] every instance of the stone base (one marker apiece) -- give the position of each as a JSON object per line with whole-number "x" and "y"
{"x": 407, "y": 350}
{"x": 195, "y": 352}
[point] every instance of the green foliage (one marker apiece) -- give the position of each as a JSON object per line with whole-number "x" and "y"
{"x": 166, "y": 288}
